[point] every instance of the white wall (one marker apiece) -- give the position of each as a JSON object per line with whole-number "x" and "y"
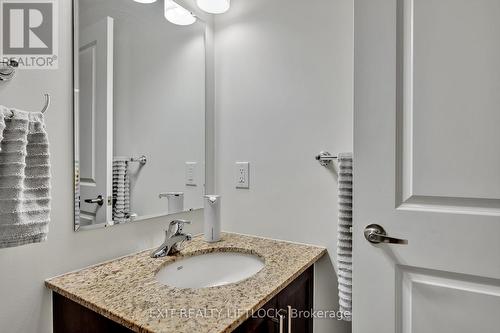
{"x": 284, "y": 76}
{"x": 25, "y": 305}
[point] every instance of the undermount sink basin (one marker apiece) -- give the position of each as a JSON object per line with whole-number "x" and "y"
{"x": 210, "y": 270}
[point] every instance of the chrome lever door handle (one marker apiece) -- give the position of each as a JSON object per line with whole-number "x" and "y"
{"x": 99, "y": 200}
{"x": 375, "y": 234}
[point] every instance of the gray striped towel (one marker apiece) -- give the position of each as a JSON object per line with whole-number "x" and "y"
{"x": 77, "y": 194}
{"x": 121, "y": 190}
{"x": 344, "y": 234}
{"x": 24, "y": 178}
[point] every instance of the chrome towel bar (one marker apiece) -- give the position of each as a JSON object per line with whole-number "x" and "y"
{"x": 325, "y": 158}
{"x": 142, "y": 160}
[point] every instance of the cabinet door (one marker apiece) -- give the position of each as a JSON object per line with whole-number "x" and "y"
{"x": 71, "y": 317}
{"x": 297, "y": 297}
{"x": 259, "y": 323}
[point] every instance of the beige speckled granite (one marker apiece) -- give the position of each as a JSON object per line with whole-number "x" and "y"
{"x": 125, "y": 289}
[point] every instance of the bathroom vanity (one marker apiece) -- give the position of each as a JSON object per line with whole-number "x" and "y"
{"x": 126, "y": 295}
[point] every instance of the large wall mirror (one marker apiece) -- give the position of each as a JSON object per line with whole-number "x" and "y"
{"x": 139, "y": 113}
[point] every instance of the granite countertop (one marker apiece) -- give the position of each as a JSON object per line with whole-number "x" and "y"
{"x": 125, "y": 290}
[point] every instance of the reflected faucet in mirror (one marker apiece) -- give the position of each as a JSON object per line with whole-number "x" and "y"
{"x": 175, "y": 201}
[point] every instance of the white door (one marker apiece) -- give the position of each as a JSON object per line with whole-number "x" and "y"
{"x": 427, "y": 166}
{"x": 95, "y": 121}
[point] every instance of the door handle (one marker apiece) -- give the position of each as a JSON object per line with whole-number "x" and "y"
{"x": 375, "y": 234}
{"x": 99, "y": 200}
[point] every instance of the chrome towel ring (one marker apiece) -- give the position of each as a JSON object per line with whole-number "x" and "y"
{"x": 47, "y": 102}
{"x": 45, "y": 106}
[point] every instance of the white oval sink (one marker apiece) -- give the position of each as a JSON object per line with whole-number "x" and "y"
{"x": 210, "y": 270}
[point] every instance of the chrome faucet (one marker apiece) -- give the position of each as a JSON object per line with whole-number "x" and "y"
{"x": 174, "y": 237}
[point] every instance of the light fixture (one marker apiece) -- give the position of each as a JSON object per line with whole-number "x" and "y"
{"x": 145, "y": 1}
{"x": 214, "y": 6}
{"x": 177, "y": 14}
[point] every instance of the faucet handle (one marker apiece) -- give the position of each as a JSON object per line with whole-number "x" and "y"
{"x": 179, "y": 224}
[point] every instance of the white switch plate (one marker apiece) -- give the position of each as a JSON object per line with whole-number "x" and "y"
{"x": 242, "y": 175}
{"x": 191, "y": 173}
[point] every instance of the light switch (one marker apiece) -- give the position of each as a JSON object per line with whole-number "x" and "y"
{"x": 191, "y": 173}
{"x": 242, "y": 175}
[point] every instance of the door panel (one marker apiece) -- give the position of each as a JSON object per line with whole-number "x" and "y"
{"x": 450, "y": 80}
{"x": 433, "y": 300}
{"x": 427, "y": 165}
{"x": 95, "y": 120}
{"x": 88, "y": 121}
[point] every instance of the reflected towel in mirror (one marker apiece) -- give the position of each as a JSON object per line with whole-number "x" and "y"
{"x": 121, "y": 190}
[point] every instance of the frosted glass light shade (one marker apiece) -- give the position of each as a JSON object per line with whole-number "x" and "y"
{"x": 145, "y": 1}
{"x": 177, "y": 14}
{"x": 214, "y": 6}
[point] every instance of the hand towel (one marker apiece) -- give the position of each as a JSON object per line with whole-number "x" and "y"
{"x": 77, "y": 194}
{"x": 121, "y": 191}
{"x": 24, "y": 178}
{"x": 344, "y": 234}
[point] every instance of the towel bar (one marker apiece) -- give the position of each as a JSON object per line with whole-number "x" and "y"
{"x": 142, "y": 160}
{"x": 325, "y": 158}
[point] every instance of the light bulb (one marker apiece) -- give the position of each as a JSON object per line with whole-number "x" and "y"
{"x": 177, "y": 14}
{"x": 145, "y": 1}
{"x": 214, "y": 6}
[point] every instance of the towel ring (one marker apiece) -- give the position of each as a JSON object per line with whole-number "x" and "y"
{"x": 45, "y": 107}
{"x": 47, "y": 102}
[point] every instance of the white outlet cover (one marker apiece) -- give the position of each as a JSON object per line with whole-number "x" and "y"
{"x": 242, "y": 175}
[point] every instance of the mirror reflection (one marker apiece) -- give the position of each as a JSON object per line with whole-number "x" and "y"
{"x": 139, "y": 113}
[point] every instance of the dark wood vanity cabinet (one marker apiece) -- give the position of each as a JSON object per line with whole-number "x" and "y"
{"x": 71, "y": 317}
{"x": 297, "y": 296}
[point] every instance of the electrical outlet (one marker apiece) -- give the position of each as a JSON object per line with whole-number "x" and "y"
{"x": 191, "y": 173}
{"x": 242, "y": 175}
